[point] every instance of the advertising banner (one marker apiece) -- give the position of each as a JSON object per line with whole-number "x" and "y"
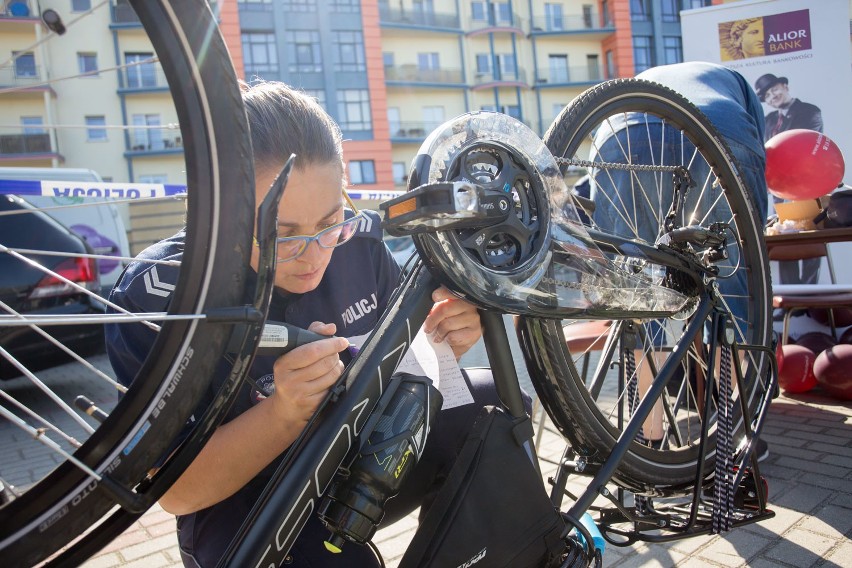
{"x": 796, "y": 56}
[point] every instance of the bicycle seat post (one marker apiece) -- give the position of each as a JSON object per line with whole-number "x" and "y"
{"x": 502, "y": 365}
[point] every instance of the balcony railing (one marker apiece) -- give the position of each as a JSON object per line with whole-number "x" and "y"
{"x": 413, "y": 131}
{"x": 143, "y": 77}
{"x": 24, "y": 144}
{"x": 18, "y": 9}
{"x": 418, "y": 18}
{"x": 152, "y": 140}
{"x": 570, "y": 75}
{"x": 494, "y": 21}
{"x": 500, "y": 76}
{"x": 123, "y": 13}
{"x": 550, "y": 24}
{"x": 11, "y": 77}
{"x": 413, "y": 74}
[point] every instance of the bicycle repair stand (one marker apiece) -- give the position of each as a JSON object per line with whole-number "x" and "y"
{"x": 735, "y": 494}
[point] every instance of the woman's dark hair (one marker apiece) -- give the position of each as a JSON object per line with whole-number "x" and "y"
{"x": 285, "y": 121}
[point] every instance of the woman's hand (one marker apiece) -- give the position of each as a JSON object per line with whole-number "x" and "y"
{"x": 304, "y": 375}
{"x": 453, "y": 321}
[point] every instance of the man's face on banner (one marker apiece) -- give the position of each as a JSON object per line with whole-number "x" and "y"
{"x": 777, "y": 96}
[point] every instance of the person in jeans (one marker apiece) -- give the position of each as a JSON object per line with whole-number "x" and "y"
{"x": 335, "y": 276}
{"x": 727, "y": 100}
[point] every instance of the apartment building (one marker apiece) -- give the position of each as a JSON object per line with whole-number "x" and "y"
{"x": 388, "y": 71}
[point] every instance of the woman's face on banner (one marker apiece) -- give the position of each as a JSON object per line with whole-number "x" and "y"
{"x": 752, "y": 39}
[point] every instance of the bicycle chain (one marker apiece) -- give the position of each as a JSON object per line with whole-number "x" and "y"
{"x": 617, "y": 166}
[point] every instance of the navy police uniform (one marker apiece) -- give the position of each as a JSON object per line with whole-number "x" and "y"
{"x": 353, "y": 294}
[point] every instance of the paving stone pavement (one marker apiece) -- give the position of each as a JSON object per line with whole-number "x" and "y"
{"x": 809, "y": 472}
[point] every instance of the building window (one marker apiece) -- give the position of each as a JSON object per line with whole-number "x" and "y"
{"x": 353, "y": 109}
{"x": 558, "y": 65}
{"x": 95, "y": 131}
{"x": 553, "y": 17}
{"x": 643, "y": 53}
{"x": 303, "y": 50}
{"x": 349, "y": 51}
{"x": 362, "y": 171}
{"x": 502, "y": 13}
{"x": 81, "y": 5}
{"x": 594, "y": 67}
{"x": 433, "y": 117}
{"x": 388, "y": 58}
{"x": 352, "y": 6}
{"x": 426, "y": 61}
{"x": 477, "y": 11}
{"x": 147, "y": 135}
{"x": 87, "y": 64}
{"x": 508, "y": 67}
{"x": 672, "y": 50}
{"x": 300, "y": 5}
{"x": 670, "y": 10}
{"x": 259, "y": 54}
{"x": 140, "y": 70}
{"x": 640, "y": 10}
{"x": 400, "y": 174}
{"x": 24, "y": 64}
{"x": 483, "y": 63}
{"x": 607, "y": 19}
{"x": 32, "y": 125}
{"x": 557, "y": 108}
{"x": 611, "y": 71}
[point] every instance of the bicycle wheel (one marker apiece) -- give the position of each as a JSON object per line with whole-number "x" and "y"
{"x": 631, "y": 128}
{"x": 65, "y": 490}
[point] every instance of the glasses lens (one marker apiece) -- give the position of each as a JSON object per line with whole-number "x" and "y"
{"x": 291, "y": 248}
{"x": 340, "y": 233}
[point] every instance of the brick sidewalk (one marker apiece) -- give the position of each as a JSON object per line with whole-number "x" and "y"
{"x": 810, "y": 489}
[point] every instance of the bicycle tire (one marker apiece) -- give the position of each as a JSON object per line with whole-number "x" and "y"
{"x": 213, "y": 271}
{"x": 584, "y": 417}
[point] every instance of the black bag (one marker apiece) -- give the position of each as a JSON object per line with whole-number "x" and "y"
{"x": 838, "y": 211}
{"x": 493, "y": 510}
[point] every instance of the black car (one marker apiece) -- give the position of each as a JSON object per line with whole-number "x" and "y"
{"x": 30, "y": 291}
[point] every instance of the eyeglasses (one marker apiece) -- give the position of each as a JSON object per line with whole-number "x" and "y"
{"x": 290, "y": 248}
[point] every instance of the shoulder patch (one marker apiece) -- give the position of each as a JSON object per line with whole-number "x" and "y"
{"x": 370, "y": 225}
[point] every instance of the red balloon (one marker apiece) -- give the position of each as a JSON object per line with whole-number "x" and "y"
{"x": 779, "y": 356}
{"x": 802, "y": 164}
{"x": 798, "y": 373}
{"x": 816, "y": 341}
{"x": 831, "y": 369}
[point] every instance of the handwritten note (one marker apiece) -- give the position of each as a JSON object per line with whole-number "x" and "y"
{"x": 438, "y": 362}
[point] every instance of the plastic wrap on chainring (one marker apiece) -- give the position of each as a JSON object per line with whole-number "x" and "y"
{"x": 561, "y": 273}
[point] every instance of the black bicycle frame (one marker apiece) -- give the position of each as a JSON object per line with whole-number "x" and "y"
{"x": 294, "y": 491}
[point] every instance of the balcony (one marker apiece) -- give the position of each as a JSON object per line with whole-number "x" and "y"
{"x": 18, "y": 145}
{"x": 569, "y": 76}
{"x": 123, "y": 14}
{"x": 500, "y": 78}
{"x": 411, "y": 131}
{"x": 496, "y": 23}
{"x": 21, "y": 10}
{"x": 586, "y": 24}
{"x": 143, "y": 77}
{"x": 22, "y": 80}
{"x": 391, "y": 17}
{"x": 412, "y": 74}
{"x": 151, "y": 141}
